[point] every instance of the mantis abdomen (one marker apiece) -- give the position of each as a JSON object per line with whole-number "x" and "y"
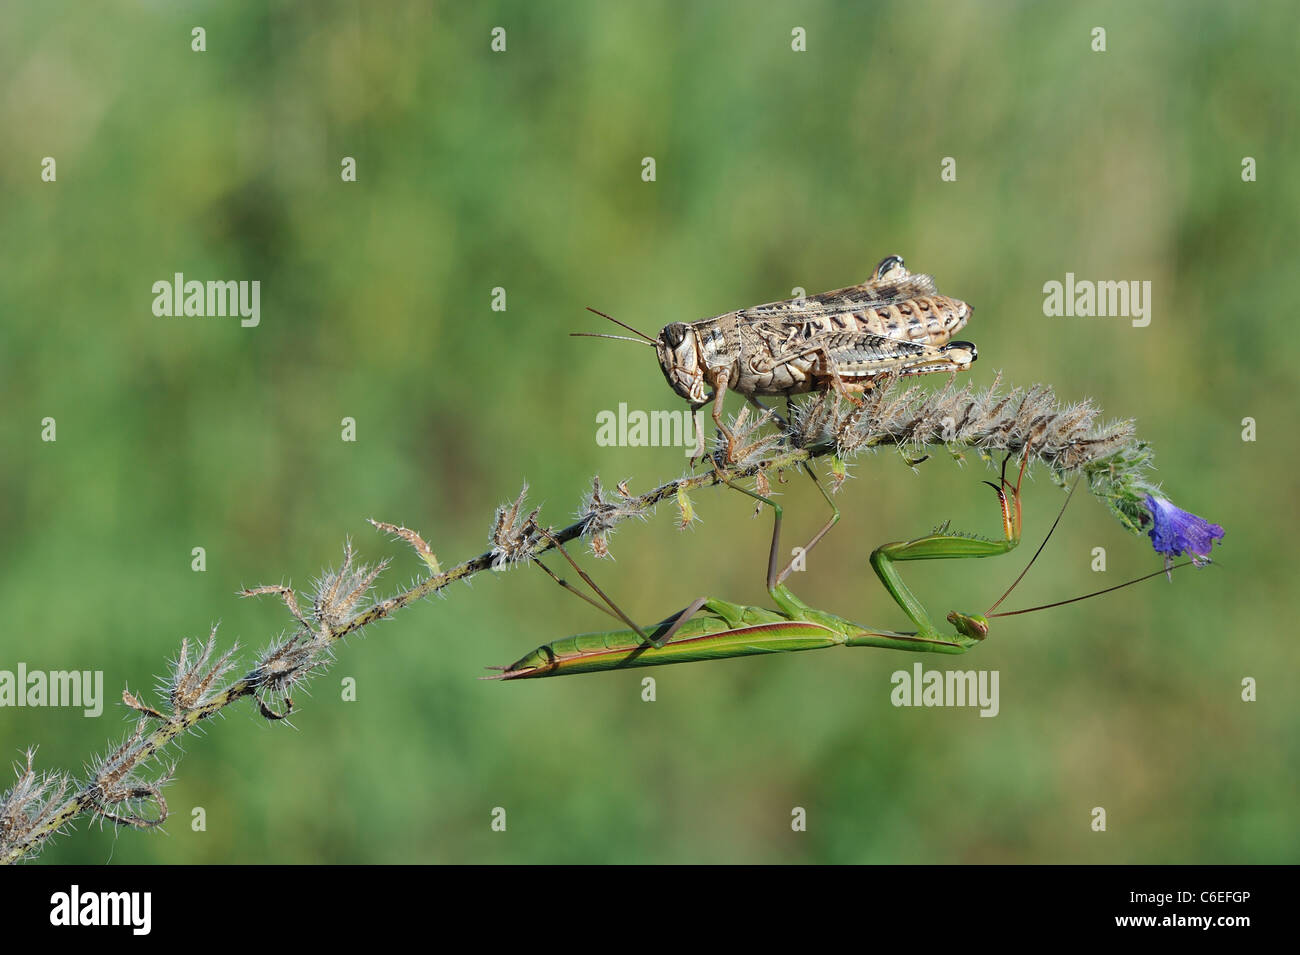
{"x": 703, "y": 638}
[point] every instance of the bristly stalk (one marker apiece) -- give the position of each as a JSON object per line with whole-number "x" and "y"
{"x": 118, "y": 788}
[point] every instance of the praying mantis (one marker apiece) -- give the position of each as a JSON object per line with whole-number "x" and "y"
{"x": 728, "y": 630}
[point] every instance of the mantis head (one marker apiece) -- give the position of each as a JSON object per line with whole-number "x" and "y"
{"x": 973, "y": 627}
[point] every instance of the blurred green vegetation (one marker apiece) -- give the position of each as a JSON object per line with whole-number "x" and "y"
{"x": 775, "y": 169}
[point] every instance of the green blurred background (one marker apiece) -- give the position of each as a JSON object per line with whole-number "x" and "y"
{"x": 521, "y": 169}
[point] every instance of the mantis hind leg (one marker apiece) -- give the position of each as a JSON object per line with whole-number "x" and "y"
{"x": 816, "y": 538}
{"x": 656, "y": 636}
{"x": 775, "y": 580}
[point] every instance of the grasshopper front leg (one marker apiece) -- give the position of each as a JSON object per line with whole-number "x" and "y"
{"x": 719, "y": 379}
{"x": 697, "y": 415}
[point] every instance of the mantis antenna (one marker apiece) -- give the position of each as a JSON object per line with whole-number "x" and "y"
{"x": 1095, "y": 593}
{"x": 1061, "y": 603}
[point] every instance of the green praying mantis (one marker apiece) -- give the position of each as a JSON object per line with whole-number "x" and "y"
{"x": 726, "y": 629}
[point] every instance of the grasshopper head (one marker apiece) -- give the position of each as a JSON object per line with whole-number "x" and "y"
{"x": 679, "y": 357}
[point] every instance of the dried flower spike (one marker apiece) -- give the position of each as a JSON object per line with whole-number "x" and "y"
{"x": 415, "y": 540}
{"x": 599, "y": 517}
{"x": 513, "y": 536}
{"x": 191, "y": 684}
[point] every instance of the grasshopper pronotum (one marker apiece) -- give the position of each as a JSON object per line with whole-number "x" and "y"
{"x": 895, "y": 323}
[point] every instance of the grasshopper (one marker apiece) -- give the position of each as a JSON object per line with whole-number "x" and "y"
{"x": 896, "y": 323}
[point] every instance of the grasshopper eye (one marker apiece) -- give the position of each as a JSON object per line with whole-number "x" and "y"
{"x": 674, "y": 334}
{"x": 888, "y": 264}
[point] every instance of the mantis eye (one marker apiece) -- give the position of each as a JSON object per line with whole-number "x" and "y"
{"x": 674, "y": 334}
{"x": 888, "y": 264}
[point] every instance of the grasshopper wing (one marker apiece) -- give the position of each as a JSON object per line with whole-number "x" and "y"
{"x": 855, "y": 298}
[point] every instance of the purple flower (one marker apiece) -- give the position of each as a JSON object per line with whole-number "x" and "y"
{"x": 1174, "y": 531}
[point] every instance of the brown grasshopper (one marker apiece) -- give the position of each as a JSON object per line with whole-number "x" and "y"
{"x": 895, "y": 323}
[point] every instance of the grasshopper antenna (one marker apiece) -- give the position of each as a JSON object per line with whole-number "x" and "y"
{"x": 634, "y": 331}
{"x": 621, "y": 338}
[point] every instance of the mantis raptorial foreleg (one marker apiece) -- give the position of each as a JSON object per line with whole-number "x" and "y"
{"x": 942, "y": 545}
{"x": 936, "y": 546}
